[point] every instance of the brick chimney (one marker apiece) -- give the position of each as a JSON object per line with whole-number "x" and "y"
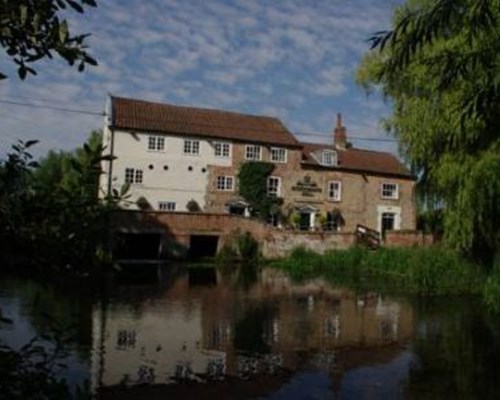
{"x": 339, "y": 134}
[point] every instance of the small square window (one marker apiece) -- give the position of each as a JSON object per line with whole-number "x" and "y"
{"x": 192, "y": 147}
{"x": 278, "y": 154}
{"x": 225, "y": 183}
{"x": 133, "y": 175}
{"x": 166, "y": 206}
{"x": 273, "y": 186}
{"x": 252, "y": 152}
{"x": 129, "y": 175}
{"x": 222, "y": 150}
{"x": 156, "y": 143}
{"x": 390, "y": 191}
{"x": 335, "y": 190}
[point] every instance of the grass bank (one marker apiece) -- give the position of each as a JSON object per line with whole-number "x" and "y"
{"x": 420, "y": 271}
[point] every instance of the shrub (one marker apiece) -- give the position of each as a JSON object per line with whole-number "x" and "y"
{"x": 424, "y": 271}
{"x": 248, "y": 247}
{"x": 227, "y": 255}
{"x": 193, "y": 206}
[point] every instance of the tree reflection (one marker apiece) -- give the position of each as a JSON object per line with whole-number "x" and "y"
{"x": 250, "y": 331}
{"x": 458, "y": 351}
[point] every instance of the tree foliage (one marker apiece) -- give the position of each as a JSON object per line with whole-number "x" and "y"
{"x": 440, "y": 66}
{"x": 252, "y": 178}
{"x": 52, "y": 210}
{"x": 31, "y": 30}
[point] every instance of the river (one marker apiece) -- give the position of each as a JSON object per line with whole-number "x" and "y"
{"x": 247, "y": 333}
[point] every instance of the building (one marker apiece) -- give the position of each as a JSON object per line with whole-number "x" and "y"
{"x": 181, "y": 159}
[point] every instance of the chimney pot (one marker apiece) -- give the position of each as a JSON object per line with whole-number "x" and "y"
{"x": 339, "y": 120}
{"x": 339, "y": 134}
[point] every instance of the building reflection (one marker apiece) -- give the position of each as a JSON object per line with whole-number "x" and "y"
{"x": 207, "y": 333}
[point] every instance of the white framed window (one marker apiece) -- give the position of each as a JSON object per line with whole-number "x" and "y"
{"x": 166, "y": 206}
{"x": 191, "y": 147}
{"x": 252, "y": 152}
{"x": 329, "y": 158}
{"x": 389, "y": 191}
{"x": 133, "y": 175}
{"x": 156, "y": 143}
{"x": 334, "y": 190}
{"x": 273, "y": 186}
{"x": 225, "y": 183}
{"x": 222, "y": 149}
{"x": 278, "y": 154}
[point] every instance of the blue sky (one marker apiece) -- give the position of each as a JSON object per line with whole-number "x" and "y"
{"x": 293, "y": 59}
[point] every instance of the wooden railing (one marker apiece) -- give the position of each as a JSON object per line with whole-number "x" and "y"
{"x": 367, "y": 237}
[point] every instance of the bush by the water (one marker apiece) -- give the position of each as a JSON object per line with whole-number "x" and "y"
{"x": 426, "y": 270}
{"x": 243, "y": 248}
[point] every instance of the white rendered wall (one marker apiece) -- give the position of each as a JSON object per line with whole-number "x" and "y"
{"x": 104, "y": 178}
{"x": 159, "y": 344}
{"x": 178, "y": 183}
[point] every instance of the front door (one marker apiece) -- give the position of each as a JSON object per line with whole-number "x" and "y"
{"x": 388, "y": 220}
{"x": 305, "y": 221}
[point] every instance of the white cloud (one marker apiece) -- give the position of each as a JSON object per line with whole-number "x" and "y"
{"x": 293, "y": 59}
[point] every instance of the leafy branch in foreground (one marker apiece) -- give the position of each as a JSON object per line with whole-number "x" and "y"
{"x": 31, "y": 30}
{"x": 32, "y": 372}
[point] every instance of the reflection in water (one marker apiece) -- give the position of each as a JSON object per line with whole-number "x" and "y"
{"x": 222, "y": 330}
{"x": 259, "y": 335}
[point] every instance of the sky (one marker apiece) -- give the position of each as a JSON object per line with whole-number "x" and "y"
{"x": 291, "y": 59}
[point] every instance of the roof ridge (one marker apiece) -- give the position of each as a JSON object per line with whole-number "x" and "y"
{"x": 349, "y": 148}
{"x": 372, "y": 151}
{"x": 236, "y": 113}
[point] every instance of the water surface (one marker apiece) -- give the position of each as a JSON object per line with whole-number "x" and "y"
{"x": 207, "y": 333}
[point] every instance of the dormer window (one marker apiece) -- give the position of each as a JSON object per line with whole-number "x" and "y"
{"x": 328, "y": 158}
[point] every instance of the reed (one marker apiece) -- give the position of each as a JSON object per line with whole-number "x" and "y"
{"x": 422, "y": 271}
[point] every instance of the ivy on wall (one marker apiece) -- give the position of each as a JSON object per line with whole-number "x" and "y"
{"x": 252, "y": 178}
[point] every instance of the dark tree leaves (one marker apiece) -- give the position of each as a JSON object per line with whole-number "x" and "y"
{"x": 31, "y": 30}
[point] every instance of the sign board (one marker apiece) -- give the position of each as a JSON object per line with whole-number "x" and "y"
{"x": 307, "y": 187}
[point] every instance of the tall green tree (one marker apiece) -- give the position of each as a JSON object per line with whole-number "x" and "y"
{"x": 440, "y": 68}
{"x": 52, "y": 210}
{"x": 31, "y": 30}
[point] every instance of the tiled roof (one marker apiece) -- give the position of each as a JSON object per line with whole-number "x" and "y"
{"x": 358, "y": 160}
{"x": 141, "y": 115}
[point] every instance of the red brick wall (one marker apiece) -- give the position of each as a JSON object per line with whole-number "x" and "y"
{"x": 408, "y": 239}
{"x": 178, "y": 227}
